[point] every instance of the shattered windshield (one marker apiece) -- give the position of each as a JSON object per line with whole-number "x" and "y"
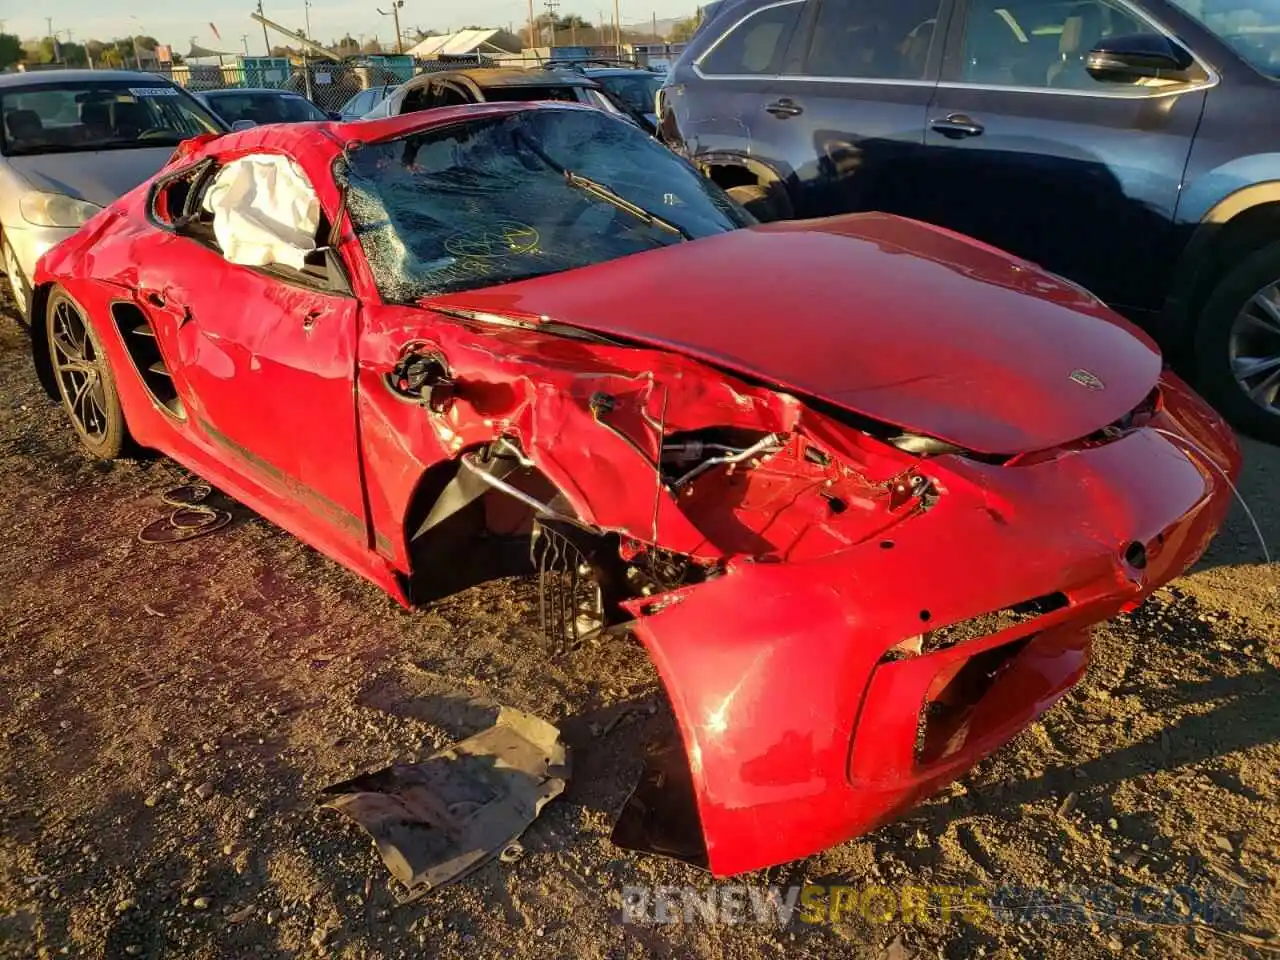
{"x": 498, "y": 199}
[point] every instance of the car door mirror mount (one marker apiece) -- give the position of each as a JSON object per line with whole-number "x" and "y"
{"x": 1138, "y": 56}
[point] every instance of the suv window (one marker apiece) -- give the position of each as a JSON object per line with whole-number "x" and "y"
{"x": 1039, "y": 43}
{"x": 757, "y": 45}
{"x": 875, "y": 39}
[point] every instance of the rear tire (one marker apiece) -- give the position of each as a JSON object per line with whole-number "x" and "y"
{"x": 85, "y": 381}
{"x": 1237, "y": 355}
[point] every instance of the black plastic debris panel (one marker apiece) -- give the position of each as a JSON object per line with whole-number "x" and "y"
{"x": 436, "y": 821}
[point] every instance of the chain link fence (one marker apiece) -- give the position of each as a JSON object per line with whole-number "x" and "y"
{"x": 327, "y": 84}
{"x": 330, "y": 85}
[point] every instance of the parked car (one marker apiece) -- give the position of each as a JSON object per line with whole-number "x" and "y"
{"x": 258, "y": 106}
{"x": 364, "y": 101}
{"x": 71, "y": 142}
{"x": 1114, "y": 142}
{"x": 631, "y": 87}
{"x": 493, "y": 84}
{"x": 772, "y": 452}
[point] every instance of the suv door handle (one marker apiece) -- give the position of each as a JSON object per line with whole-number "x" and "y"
{"x": 784, "y": 107}
{"x": 957, "y": 125}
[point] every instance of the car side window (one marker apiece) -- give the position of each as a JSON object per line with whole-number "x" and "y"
{"x": 179, "y": 202}
{"x": 419, "y": 98}
{"x": 756, "y": 45}
{"x": 449, "y": 95}
{"x": 1040, "y": 43}
{"x": 872, "y": 39}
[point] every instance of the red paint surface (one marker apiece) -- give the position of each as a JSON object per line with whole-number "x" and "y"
{"x": 800, "y": 735}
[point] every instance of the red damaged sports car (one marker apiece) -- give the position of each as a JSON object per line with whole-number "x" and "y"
{"x": 860, "y": 486}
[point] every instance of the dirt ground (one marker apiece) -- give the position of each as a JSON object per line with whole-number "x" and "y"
{"x": 170, "y": 713}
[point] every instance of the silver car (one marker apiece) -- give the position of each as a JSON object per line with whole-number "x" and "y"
{"x": 73, "y": 141}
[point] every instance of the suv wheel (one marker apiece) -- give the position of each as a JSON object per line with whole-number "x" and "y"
{"x": 1238, "y": 345}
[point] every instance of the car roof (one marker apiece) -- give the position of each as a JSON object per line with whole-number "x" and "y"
{"x": 47, "y": 78}
{"x": 489, "y": 77}
{"x": 619, "y": 72}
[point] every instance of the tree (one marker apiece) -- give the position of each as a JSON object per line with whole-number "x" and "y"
{"x": 110, "y": 57}
{"x": 505, "y": 40}
{"x": 73, "y": 54}
{"x": 37, "y": 51}
{"x": 10, "y": 50}
{"x": 371, "y": 46}
{"x": 348, "y": 46}
{"x": 683, "y": 29}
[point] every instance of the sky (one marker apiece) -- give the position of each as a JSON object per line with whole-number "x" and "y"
{"x": 176, "y": 21}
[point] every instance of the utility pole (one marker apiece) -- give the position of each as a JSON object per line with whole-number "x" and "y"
{"x": 306, "y": 13}
{"x": 244, "y": 38}
{"x": 266, "y": 41}
{"x": 552, "y": 6}
{"x": 617, "y": 27}
{"x": 654, "y": 14}
{"x": 395, "y": 12}
{"x": 137, "y": 54}
{"x": 533, "y": 42}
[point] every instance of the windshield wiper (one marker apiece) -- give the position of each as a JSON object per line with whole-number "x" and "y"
{"x": 602, "y": 192}
{"x": 607, "y": 194}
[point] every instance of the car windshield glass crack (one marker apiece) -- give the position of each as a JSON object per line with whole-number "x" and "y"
{"x": 486, "y": 201}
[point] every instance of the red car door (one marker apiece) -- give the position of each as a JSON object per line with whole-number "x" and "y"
{"x": 265, "y": 366}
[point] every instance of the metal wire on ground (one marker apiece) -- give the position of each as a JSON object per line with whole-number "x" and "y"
{"x": 190, "y": 517}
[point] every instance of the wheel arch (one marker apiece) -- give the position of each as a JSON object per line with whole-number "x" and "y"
{"x": 739, "y": 170}
{"x": 1238, "y": 223}
{"x": 39, "y": 321}
{"x": 449, "y": 505}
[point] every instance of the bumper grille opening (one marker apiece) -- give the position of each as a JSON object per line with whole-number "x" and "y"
{"x": 943, "y": 725}
{"x": 975, "y": 628}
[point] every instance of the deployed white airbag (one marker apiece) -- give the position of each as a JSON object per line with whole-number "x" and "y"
{"x": 264, "y": 211}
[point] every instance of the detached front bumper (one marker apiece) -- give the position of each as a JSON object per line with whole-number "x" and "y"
{"x": 802, "y": 729}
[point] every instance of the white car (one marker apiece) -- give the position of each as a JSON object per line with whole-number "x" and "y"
{"x": 72, "y": 142}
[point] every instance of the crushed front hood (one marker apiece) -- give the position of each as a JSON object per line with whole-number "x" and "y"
{"x": 889, "y": 318}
